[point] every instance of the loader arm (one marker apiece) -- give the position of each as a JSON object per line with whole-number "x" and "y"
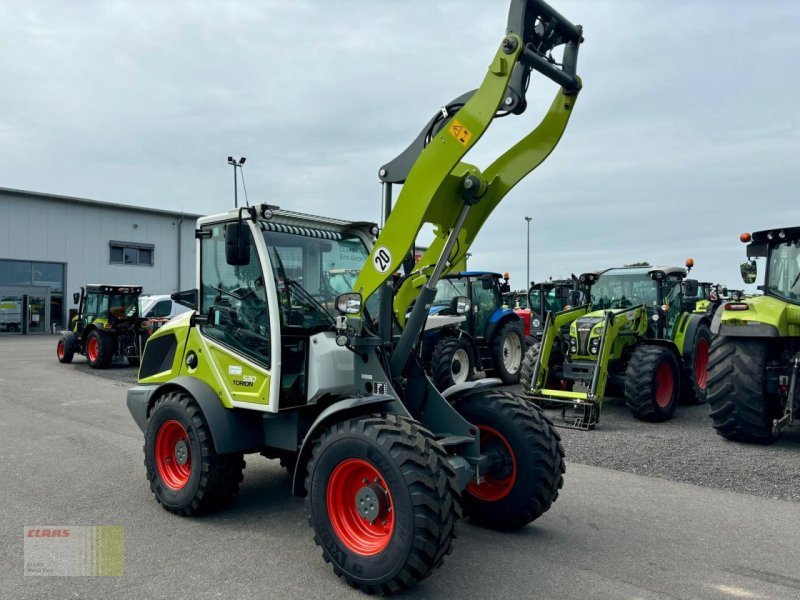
{"x": 452, "y": 195}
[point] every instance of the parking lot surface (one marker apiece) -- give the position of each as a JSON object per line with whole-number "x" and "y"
{"x": 71, "y": 455}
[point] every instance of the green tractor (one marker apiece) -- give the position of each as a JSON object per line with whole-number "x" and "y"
{"x": 546, "y": 297}
{"x": 710, "y": 296}
{"x": 637, "y": 334}
{"x": 387, "y": 463}
{"x": 755, "y": 355}
{"x": 106, "y": 326}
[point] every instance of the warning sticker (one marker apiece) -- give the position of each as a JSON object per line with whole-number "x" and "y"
{"x": 461, "y": 133}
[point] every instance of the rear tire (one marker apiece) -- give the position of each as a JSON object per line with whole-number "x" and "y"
{"x": 99, "y": 350}
{"x": 404, "y": 469}
{"x": 507, "y": 349}
{"x": 736, "y": 392}
{"x": 695, "y": 367}
{"x": 185, "y": 472}
{"x": 652, "y": 383}
{"x": 64, "y": 350}
{"x": 453, "y": 362}
{"x": 529, "y": 471}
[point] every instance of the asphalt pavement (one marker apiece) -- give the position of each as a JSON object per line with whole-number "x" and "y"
{"x": 71, "y": 455}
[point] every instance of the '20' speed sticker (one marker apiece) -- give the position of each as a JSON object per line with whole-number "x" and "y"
{"x": 382, "y": 259}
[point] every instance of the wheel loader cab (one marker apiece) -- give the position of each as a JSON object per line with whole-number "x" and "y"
{"x": 274, "y": 308}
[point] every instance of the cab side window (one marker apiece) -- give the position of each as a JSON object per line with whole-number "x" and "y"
{"x": 234, "y": 299}
{"x": 162, "y": 309}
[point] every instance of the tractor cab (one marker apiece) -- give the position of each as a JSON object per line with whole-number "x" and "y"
{"x": 107, "y": 326}
{"x": 545, "y": 297}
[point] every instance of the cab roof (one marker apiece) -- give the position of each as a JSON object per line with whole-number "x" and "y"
{"x": 473, "y": 274}
{"x": 633, "y": 271}
{"x": 790, "y": 233}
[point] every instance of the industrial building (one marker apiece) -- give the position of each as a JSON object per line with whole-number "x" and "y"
{"x": 50, "y": 245}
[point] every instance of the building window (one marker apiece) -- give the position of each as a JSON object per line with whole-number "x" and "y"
{"x": 131, "y": 253}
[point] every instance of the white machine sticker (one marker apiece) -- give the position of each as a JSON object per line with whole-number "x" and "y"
{"x": 234, "y": 370}
{"x": 382, "y": 259}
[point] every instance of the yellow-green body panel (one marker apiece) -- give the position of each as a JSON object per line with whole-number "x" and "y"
{"x": 768, "y": 310}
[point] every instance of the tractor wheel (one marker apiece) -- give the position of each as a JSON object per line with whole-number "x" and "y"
{"x": 526, "y": 468}
{"x": 452, "y": 362}
{"x": 133, "y": 361}
{"x": 527, "y": 366}
{"x": 186, "y": 474}
{"x": 99, "y": 350}
{"x": 736, "y": 377}
{"x": 652, "y": 383}
{"x": 508, "y": 348}
{"x": 64, "y": 350}
{"x": 695, "y": 371}
{"x": 382, "y": 502}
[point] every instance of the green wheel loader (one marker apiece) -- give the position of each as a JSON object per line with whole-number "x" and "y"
{"x": 106, "y": 326}
{"x": 755, "y": 355}
{"x": 637, "y": 335}
{"x": 275, "y": 361}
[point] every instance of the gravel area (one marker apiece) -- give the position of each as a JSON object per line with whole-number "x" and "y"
{"x": 684, "y": 449}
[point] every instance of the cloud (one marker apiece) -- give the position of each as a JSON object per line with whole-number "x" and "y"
{"x": 685, "y": 134}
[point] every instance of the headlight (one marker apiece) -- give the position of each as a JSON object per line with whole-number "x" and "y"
{"x": 349, "y": 304}
{"x": 594, "y": 346}
{"x": 573, "y": 345}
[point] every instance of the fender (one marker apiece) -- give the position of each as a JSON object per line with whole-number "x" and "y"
{"x": 665, "y": 344}
{"x": 465, "y": 389}
{"x": 233, "y": 430}
{"x": 338, "y": 411}
{"x": 695, "y": 320}
{"x": 498, "y": 318}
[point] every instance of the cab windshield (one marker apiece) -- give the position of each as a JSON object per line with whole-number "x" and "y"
{"x": 617, "y": 289}
{"x": 447, "y": 289}
{"x": 310, "y": 272}
{"x": 783, "y": 271}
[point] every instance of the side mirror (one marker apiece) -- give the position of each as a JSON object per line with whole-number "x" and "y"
{"x": 749, "y": 271}
{"x": 237, "y": 244}
{"x": 460, "y": 305}
{"x": 349, "y": 304}
{"x": 690, "y": 287}
{"x": 76, "y": 298}
{"x": 187, "y": 298}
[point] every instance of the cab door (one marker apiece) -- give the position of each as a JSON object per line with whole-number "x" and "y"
{"x": 236, "y": 340}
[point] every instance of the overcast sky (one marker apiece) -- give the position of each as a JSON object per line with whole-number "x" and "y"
{"x": 686, "y": 132}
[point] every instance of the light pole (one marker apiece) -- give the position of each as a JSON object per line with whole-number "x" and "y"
{"x": 236, "y": 165}
{"x": 528, "y": 256}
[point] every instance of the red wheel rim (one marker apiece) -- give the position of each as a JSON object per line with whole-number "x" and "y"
{"x": 701, "y": 363}
{"x": 664, "y": 385}
{"x": 60, "y": 349}
{"x": 173, "y": 455}
{"x": 93, "y": 349}
{"x": 355, "y": 531}
{"x": 493, "y": 488}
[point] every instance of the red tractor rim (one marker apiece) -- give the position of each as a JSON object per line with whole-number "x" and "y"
{"x": 347, "y": 483}
{"x": 701, "y": 363}
{"x": 93, "y": 349}
{"x": 493, "y": 488}
{"x": 665, "y": 384}
{"x": 173, "y": 456}
{"x": 60, "y": 349}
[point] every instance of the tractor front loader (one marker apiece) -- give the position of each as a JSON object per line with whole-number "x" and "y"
{"x": 276, "y": 361}
{"x": 754, "y": 366}
{"x": 637, "y": 334}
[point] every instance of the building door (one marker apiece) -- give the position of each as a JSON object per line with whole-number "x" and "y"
{"x": 10, "y": 314}
{"x": 37, "y": 315}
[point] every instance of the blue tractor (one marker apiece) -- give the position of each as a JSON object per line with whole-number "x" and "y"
{"x": 469, "y": 328}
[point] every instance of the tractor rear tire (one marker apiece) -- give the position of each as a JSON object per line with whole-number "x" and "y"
{"x": 185, "y": 472}
{"x": 652, "y": 383}
{"x": 64, "y": 350}
{"x": 528, "y": 470}
{"x": 739, "y": 408}
{"x": 507, "y": 350}
{"x": 695, "y": 367}
{"x": 99, "y": 350}
{"x": 527, "y": 366}
{"x": 452, "y": 362}
{"x": 392, "y": 468}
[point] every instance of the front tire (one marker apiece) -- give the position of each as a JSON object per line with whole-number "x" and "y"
{"x": 381, "y": 501}
{"x": 508, "y": 348}
{"x": 185, "y": 472}
{"x": 527, "y": 469}
{"x": 99, "y": 350}
{"x": 64, "y": 350}
{"x": 739, "y": 407}
{"x": 452, "y": 362}
{"x": 652, "y": 383}
{"x": 527, "y": 366}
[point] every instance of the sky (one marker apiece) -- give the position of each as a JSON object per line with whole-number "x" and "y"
{"x": 686, "y": 133}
